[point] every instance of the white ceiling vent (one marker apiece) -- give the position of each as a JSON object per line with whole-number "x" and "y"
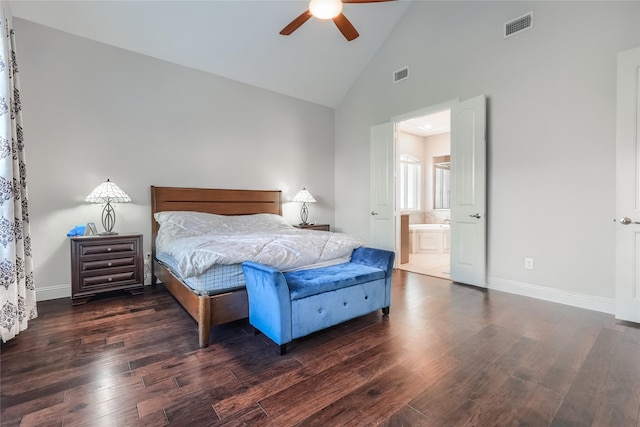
{"x": 518, "y": 25}
{"x": 401, "y": 74}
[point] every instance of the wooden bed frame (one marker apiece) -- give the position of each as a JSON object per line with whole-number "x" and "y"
{"x": 216, "y": 309}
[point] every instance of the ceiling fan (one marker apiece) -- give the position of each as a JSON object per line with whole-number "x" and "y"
{"x": 328, "y": 9}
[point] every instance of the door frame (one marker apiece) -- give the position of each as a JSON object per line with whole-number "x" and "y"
{"x": 425, "y": 111}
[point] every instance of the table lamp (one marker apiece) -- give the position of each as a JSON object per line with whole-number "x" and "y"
{"x": 107, "y": 193}
{"x": 304, "y": 197}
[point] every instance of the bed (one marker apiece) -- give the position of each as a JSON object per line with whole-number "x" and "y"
{"x": 198, "y": 256}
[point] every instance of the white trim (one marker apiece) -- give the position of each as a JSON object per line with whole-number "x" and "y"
{"x": 53, "y": 292}
{"x": 60, "y": 291}
{"x": 590, "y": 302}
{"x": 436, "y": 108}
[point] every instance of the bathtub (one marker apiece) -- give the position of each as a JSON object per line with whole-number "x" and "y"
{"x": 429, "y": 238}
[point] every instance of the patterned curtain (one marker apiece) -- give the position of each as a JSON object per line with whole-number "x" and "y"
{"x": 17, "y": 290}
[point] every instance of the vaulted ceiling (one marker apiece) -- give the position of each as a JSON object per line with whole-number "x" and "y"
{"x": 236, "y": 39}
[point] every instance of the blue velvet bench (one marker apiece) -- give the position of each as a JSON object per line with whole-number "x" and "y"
{"x": 286, "y": 306}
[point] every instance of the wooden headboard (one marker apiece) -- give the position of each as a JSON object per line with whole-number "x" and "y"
{"x": 211, "y": 200}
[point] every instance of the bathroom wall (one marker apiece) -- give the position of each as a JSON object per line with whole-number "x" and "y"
{"x": 425, "y": 149}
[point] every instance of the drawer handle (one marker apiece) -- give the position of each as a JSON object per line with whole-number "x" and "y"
{"x": 108, "y": 249}
{"x": 109, "y": 265}
{"x": 110, "y": 279}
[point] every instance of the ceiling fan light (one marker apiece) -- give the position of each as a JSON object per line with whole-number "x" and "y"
{"x": 325, "y": 9}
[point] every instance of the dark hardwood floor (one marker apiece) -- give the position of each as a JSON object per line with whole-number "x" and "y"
{"x": 448, "y": 355}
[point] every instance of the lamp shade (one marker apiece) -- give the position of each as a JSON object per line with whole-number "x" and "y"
{"x": 304, "y": 196}
{"x": 107, "y": 192}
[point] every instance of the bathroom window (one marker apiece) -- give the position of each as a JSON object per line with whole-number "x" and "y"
{"x": 442, "y": 173}
{"x": 409, "y": 183}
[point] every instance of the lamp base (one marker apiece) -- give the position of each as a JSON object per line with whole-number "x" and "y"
{"x": 304, "y": 214}
{"x": 107, "y": 233}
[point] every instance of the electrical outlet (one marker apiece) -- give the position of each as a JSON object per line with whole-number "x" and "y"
{"x": 147, "y": 258}
{"x": 528, "y": 263}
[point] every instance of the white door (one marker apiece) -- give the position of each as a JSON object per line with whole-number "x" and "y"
{"x": 382, "y": 187}
{"x": 468, "y": 193}
{"x": 628, "y": 187}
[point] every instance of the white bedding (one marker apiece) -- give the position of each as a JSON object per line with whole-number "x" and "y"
{"x": 199, "y": 240}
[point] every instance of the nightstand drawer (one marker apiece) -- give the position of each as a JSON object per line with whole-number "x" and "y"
{"x": 107, "y": 263}
{"x": 108, "y": 249}
{"x": 116, "y": 279}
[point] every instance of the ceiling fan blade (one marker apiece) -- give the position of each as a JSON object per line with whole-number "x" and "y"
{"x": 296, "y": 23}
{"x": 346, "y": 27}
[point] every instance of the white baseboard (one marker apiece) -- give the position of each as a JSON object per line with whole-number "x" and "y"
{"x": 59, "y": 291}
{"x": 590, "y": 302}
{"x": 53, "y": 292}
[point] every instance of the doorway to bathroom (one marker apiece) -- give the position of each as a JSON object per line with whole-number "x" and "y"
{"x": 424, "y": 160}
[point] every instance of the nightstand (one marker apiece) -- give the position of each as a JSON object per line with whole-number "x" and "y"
{"x": 106, "y": 263}
{"x": 320, "y": 227}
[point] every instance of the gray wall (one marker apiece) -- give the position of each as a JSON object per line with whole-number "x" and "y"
{"x": 551, "y": 128}
{"x": 92, "y": 112}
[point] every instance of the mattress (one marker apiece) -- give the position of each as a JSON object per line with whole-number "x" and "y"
{"x": 217, "y": 279}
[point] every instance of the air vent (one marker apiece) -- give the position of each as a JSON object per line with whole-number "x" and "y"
{"x": 518, "y": 25}
{"x": 401, "y": 75}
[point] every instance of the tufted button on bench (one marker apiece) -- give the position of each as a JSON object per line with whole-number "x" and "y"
{"x": 286, "y": 306}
